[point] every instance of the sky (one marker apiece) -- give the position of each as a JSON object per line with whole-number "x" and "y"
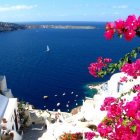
{"x": 67, "y": 10}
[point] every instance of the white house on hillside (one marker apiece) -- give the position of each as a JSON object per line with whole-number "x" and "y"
{"x": 9, "y": 119}
{"x": 117, "y": 87}
{"x": 112, "y": 88}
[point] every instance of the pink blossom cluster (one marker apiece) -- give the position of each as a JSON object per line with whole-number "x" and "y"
{"x": 123, "y": 119}
{"x": 129, "y": 28}
{"x": 123, "y": 79}
{"x": 94, "y": 68}
{"x": 136, "y": 88}
{"x": 132, "y": 69}
{"x": 89, "y": 135}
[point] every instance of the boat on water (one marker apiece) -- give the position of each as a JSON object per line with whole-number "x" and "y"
{"x": 45, "y": 97}
{"x": 58, "y": 104}
{"x": 47, "y": 49}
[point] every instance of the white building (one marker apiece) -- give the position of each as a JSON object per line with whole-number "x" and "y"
{"x": 115, "y": 87}
{"x": 9, "y": 119}
{"x": 112, "y": 88}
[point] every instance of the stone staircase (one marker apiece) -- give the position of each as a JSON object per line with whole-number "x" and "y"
{"x": 34, "y": 132}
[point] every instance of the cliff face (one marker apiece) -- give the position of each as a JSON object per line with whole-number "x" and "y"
{"x": 4, "y": 26}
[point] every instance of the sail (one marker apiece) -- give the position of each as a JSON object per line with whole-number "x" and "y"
{"x": 48, "y": 49}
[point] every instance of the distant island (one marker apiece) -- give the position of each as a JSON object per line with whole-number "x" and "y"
{"x": 60, "y": 27}
{"x": 5, "y": 26}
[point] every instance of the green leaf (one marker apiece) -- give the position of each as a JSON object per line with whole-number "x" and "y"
{"x": 134, "y": 127}
{"x": 135, "y": 55}
{"x": 102, "y": 73}
{"x": 126, "y": 58}
{"x": 119, "y": 66}
{"x": 120, "y": 35}
{"x": 111, "y": 65}
{"x": 113, "y": 70}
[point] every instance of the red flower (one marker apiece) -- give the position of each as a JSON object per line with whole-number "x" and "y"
{"x": 123, "y": 79}
{"x": 120, "y": 26}
{"x": 131, "y": 108}
{"x": 136, "y": 88}
{"x": 131, "y": 22}
{"x": 109, "y": 34}
{"x": 138, "y": 21}
{"x": 129, "y": 35}
{"x": 110, "y": 25}
{"x": 107, "y": 60}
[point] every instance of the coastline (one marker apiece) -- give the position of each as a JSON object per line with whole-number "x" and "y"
{"x": 59, "y": 27}
{"x": 6, "y": 26}
{"x": 92, "y": 88}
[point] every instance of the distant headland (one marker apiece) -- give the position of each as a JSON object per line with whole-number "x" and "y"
{"x": 5, "y": 26}
{"x": 60, "y": 27}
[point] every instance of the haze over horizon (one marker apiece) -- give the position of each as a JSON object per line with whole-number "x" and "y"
{"x": 62, "y": 10}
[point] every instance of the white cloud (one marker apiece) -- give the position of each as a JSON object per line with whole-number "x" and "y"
{"x": 120, "y": 6}
{"x": 16, "y": 7}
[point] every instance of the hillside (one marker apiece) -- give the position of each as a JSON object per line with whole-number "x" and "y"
{"x": 4, "y": 26}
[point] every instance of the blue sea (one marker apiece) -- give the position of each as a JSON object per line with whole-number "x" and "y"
{"x": 62, "y": 73}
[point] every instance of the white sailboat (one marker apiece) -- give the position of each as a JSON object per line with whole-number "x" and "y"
{"x": 47, "y": 49}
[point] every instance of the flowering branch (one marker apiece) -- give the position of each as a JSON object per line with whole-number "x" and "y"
{"x": 123, "y": 118}
{"x": 100, "y": 69}
{"x": 129, "y": 28}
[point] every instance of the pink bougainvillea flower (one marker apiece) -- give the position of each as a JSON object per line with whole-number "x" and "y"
{"x": 101, "y": 63}
{"x": 123, "y": 133}
{"x": 131, "y": 109}
{"x": 107, "y": 60}
{"x": 93, "y": 69}
{"x": 114, "y": 111}
{"x": 132, "y": 69}
{"x": 124, "y": 79}
{"x": 129, "y": 35}
{"x": 110, "y": 25}
{"x": 136, "y": 88}
{"x": 104, "y": 129}
{"x": 89, "y": 135}
{"x": 131, "y": 22}
{"x": 108, "y": 101}
{"x": 120, "y": 26}
{"x": 100, "y": 59}
{"x": 109, "y": 34}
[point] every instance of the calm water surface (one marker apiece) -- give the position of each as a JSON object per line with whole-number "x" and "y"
{"x": 61, "y": 74}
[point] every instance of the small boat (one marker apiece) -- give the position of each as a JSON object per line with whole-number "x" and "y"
{"x": 47, "y": 49}
{"x": 45, "y": 97}
{"x": 58, "y": 104}
{"x": 64, "y": 94}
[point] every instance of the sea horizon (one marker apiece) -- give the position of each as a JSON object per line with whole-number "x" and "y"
{"x": 43, "y": 21}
